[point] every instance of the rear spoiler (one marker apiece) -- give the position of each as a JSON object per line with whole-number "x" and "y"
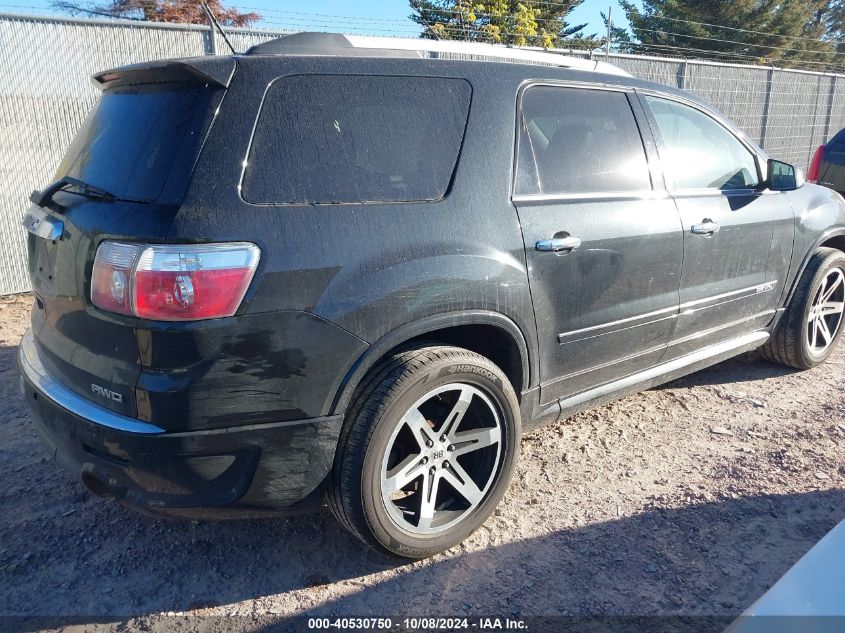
{"x": 216, "y": 71}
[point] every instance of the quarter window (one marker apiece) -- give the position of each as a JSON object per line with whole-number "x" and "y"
{"x": 698, "y": 152}
{"x": 340, "y": 139}
{"x": 575, "y": 140}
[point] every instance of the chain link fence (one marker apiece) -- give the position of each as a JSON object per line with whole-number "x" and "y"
{"x": 787, "y": 112}
{"x": 45, "y": 93}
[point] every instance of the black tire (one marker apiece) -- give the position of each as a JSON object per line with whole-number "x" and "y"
{"x": 790, "y": 343}
{"x": 374, "y": 419}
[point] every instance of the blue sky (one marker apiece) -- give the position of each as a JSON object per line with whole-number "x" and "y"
{"x": 378, "y": 17}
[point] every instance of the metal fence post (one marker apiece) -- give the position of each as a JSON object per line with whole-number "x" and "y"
{"x": 770, "y": 78}
{"x": 210, "y": 42}
{"x": 829, "y": 115}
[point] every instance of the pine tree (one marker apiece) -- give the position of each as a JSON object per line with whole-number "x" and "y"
{"x": 521, "y": 23}
{"x": 779, "y": 32}
{"x": 832, "y": 18}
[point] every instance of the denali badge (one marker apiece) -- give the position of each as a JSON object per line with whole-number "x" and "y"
{"x": 107, "y": 393}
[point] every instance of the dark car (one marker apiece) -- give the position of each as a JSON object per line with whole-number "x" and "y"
{"x": 320, "y": 272}
{"x": 827, "y": 166}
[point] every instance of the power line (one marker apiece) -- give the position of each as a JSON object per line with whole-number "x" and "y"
{"x": 557, "y": 21}
{"x": 451, "y": 28}
{"x": 300, "y": 26}
{"x": 663, "y": 48}
{"x": 732, "y": 28}
{"x": 356, "y": 20}
{"x": 327, "y": 15}
{"x": 707, "y": 24}
{"x": 720, "y": 40}
{"x": 456, "y": 29}
{"x": 714, "y": 39}
{"x": 304, "y": 20}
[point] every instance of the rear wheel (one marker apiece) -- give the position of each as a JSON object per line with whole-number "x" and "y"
{"x": 427, "y": 451}
{"x": 809, "y": 330}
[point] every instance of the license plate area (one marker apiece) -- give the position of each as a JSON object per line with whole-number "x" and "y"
{"x": 43, "y": 264}
{"x": 37, "y": 222}
{"x": 43, "y": 250}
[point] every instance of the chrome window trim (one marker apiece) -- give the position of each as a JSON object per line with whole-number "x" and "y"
{"x": 262, "y": 102}
{"x": 629, "y": 93}
{"x": 645, "y": 194}
{"x": 572, "y": 83}
{"x": 52, "y": 389}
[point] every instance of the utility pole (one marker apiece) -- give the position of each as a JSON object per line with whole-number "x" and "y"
{"x": 609, "y": 30}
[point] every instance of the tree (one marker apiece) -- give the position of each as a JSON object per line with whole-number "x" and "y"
{"x": 521, "y": 23}
{"x": 184, "y": 11}
{"x": 780, "y": 32}
{"x": 832, "y": 17}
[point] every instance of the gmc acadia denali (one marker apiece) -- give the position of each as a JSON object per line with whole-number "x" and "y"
{"x": 327, "y": 271}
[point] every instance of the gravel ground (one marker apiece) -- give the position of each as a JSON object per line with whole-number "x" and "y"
{"x": 636, "y": 508}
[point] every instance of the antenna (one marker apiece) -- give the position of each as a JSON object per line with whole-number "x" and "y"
{"x": 216, "y": 24}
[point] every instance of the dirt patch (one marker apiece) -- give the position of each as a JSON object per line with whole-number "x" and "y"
{"x": 688, "y": 499}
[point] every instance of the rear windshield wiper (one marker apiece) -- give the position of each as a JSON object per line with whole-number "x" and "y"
{"x": 41, "y": 198}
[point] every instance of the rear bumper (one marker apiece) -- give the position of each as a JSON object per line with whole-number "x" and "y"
{"x": 276, "y": 468}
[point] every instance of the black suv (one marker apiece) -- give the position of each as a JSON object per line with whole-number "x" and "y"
{"x": 323, "y": 272}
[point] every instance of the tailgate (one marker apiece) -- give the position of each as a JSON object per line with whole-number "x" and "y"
{"x": 122, "y": 178}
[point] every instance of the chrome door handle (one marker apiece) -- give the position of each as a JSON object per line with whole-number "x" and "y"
{"x": 707, "y": 227}
{"x": 558, "y": 244}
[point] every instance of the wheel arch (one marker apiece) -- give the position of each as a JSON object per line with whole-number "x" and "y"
{"x": 832, "y": 238}
{"x": 835, "y": 241}
{"x": 490, "y": 334}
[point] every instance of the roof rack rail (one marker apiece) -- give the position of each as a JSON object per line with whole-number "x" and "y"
{"x": 307, "y": 43}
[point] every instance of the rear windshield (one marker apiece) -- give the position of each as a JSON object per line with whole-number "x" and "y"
{"x": 346, "y": 139}
{"x": 136, "y": 136}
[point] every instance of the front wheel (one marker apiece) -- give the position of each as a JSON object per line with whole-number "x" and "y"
{"x": 427, "y": 450}
{"x": 812, "y": 324}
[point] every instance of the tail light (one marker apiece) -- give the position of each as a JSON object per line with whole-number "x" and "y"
{"x": 172, "y": 282}
{"x": 814, "y": 171}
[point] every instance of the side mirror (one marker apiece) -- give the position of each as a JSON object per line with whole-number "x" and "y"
{"x": 783, "y": 176}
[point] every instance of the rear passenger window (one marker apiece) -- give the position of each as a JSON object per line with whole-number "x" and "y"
{"x": 336, "y": 139}
{"x": 578, "y": 141}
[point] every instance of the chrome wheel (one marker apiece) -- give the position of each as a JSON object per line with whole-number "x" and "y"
{"x": 825, "y": 315}
{"x": 441, "y": 459}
